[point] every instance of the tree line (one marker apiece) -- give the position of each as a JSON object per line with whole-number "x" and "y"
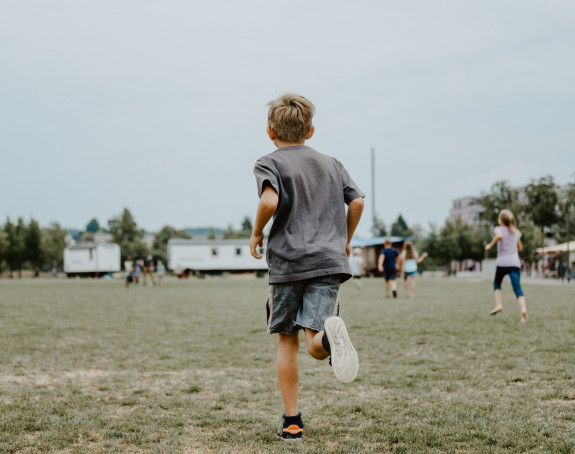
{"x": 540, "y": 206}
{"x": 29, "y": 246}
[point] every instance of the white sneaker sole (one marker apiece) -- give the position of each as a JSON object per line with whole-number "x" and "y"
{"x": 344, "y": 361}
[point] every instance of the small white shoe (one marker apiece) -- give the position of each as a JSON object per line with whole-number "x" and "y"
{"x": 344, "y": 359}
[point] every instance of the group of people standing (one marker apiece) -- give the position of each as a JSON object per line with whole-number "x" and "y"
{"x": 143, "y": 267}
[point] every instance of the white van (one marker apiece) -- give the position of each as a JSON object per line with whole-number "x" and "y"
{"x": 91, "y": 259}
{"x": 213, "y": 257}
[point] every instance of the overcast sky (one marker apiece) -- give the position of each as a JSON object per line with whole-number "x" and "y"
{"x": 160, "y": 106}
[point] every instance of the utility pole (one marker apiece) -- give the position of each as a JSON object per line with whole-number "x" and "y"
{"x": 373, "y": 188}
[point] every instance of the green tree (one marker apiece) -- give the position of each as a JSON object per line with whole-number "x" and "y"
{"x": 244, "y": 232}
{"x": 3, "y": 248}
{"x": 160, "y": 245}
{"x": 211, "y": 235}
{"x": 531, "y": 239}
{"x": 501, "y": 196}
{"x": 400, "y": 228}
{"x": 543, "y": 199}
{"x": 378, "y": 228}
{"x": 33, "y": 245}
{"x": 229, "y": 233}
{"x": 16, "y": 250}
{"x": 127, "y": 235}
{"x": 455, "y": 241}
{"x": 93, "y": 226}
{"x": 566, "y": 209}
{"x": 432, "y": 244}
{"x": 247, "y": 227}
{"x": 53, "y": 245}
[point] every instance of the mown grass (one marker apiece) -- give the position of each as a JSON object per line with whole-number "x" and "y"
{"x": 86, "y": 367}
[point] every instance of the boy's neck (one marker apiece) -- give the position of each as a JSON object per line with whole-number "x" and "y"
{"x": 280, "y": 144}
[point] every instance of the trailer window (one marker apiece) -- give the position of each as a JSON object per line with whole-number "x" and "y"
{"x": 91, "y": 254}
{"x": 215, "y": 251}
{"x": 238, "y": 251}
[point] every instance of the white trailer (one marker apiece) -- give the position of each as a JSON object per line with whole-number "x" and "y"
{"x": 213, "y": 257}
{"x": 90, "y": 259}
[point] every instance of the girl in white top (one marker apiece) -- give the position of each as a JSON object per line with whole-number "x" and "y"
{"x": 508, "y": 240}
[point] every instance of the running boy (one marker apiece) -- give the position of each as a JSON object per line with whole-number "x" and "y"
{"x": 307, "y": 250}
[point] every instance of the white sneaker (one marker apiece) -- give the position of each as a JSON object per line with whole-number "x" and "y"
{"x": 343, "y": 356}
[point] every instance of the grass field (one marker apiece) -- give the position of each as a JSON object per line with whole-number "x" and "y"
{"x": 86, "y": 367}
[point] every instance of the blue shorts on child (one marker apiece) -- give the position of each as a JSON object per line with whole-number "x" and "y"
{"x": 292, "y": 306}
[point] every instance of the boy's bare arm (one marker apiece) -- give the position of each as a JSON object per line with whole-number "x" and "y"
{"x": 266, "y": 209}
{"x": 354, "y": 210}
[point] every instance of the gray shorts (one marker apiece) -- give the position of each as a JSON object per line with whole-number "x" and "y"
{"x": 292, "y": 306}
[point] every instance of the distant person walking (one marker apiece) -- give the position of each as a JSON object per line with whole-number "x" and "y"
{"x": 508, "y": 240}
{"x": 148, "y": 268}
{"x": 128, "y": 271}
{"x": 409, "y": 260}
{"x": 161, "y": 270}
{"x": 357, "y": 265}
{"x": 137, "y": 271}
{"x": 387, "y": 265}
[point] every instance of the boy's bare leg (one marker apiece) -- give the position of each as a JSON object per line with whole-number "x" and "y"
{"x": 521, "y": 301}
{"x": 498, "y": 302}
{"x": 288, "y": 371}
{"x": 313, "y": 340}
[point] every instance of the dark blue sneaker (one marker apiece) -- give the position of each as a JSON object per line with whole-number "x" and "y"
{"x": 292, "y": 428}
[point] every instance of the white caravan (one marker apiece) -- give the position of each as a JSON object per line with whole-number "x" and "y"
{"x": 90, "y": 259}
{"x": 213, "y": 257}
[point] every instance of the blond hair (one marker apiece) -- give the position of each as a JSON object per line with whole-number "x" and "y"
{"x": 387, "y": 242}
{"x": 289, "y": 117}
{"x": 508, "y": 220}
{"x": 409, "y": 252}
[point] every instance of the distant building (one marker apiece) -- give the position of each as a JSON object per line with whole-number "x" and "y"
{"x": 467, "y": 209}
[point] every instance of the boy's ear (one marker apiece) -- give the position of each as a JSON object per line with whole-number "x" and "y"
{"x": 311, "y": 131}
{"x": 271, "y": 134}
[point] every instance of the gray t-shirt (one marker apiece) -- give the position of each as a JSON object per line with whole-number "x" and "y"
{"x": 309, "y": 230}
